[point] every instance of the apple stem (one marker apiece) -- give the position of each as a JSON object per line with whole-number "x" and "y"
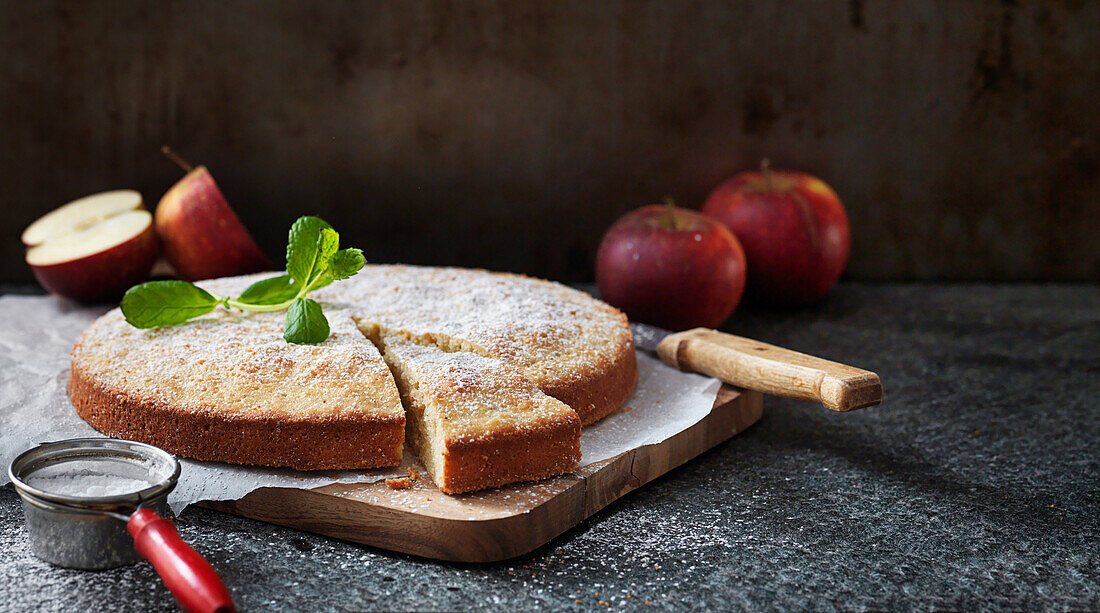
{"x": 766, "y": 170}
{"x": 182, "y": 163}
{"x": 670, "y": 210}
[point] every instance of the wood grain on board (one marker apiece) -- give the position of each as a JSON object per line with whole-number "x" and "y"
{"x": 496, "y": 524}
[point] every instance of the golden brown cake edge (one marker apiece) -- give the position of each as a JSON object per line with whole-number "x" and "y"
{"x": 600, "y": 393}
{"x": 502, "y": 458}
{"x": 306, "y": 444}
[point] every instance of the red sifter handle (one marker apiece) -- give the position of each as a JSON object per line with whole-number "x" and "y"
{"x": 190, "y": 578}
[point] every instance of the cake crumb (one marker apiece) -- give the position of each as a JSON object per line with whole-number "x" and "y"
{"x": 414, "y": 475}
{"x": 400, "y": 483}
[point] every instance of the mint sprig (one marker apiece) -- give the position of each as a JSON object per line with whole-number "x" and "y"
{"x": 313, "y": 260}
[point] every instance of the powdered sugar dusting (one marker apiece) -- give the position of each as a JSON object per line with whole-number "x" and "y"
{"x": 552, "y": 331}
{"x": 471, "y": 395}
{"x": 86, "y": 483}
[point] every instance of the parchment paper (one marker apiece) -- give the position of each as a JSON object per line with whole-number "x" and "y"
{"x": 37, "y": 333}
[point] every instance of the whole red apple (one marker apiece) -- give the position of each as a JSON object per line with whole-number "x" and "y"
{"x": 671, "y": 267}
{"x": 793, "y": 228}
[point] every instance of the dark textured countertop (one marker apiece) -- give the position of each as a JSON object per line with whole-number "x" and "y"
{"x": 975, "y": 485}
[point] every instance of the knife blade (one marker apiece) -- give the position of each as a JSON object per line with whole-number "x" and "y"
{"x": 750, "y": 364}
{"x": 647, "y": 337}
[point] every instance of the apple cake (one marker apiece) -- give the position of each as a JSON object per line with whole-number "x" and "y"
{"x": 494, "y": 374}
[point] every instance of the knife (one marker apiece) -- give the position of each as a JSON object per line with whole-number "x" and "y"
{"x": 749, "y": 364}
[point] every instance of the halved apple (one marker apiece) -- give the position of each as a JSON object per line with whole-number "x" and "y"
{"x": 93, "y": 249}
{"x": 202, "y": 236}
{"x": 81, "y": 214}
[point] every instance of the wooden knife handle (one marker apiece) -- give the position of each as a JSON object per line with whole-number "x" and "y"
{"x": 753, "y": 365}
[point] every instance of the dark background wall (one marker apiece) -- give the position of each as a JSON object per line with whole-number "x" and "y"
{"x": 963, "y": 136}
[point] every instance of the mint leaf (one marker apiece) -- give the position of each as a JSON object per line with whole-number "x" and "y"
{"x": 313, "y": 260}
{"x": 305, "y": 323}
{"x": 345, "y": 263}
{"x": 327, "y": 244}
{"x": 271, "y": 291}
{"x": 330, "y": 242}
{"x": 342, "y": 265}
{"x": 303, "y": 247}
{"x": 164, "y": 303}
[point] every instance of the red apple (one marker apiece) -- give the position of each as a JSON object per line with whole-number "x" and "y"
{"x": 202, "y": 236}
{"x": 671, "y": 267}
{"x": 793, "y": 228}
{"x": 94, "y": 248}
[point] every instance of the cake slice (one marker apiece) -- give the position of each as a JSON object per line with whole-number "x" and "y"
{"x": 474, "y": 421}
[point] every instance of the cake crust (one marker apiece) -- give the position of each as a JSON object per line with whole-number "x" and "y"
{"x": 503, "y": 458}
{"x": 602, "y": 391}
{"x": 310, "y": 443}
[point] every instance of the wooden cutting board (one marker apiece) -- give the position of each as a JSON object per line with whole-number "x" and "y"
{"x": 497, "y": 524}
